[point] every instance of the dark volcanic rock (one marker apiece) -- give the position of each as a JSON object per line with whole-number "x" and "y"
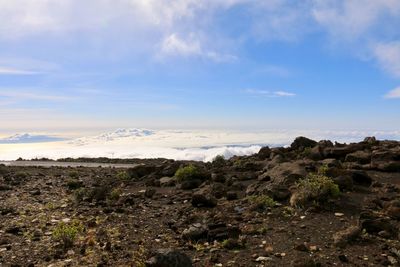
{"x": 344, "y": 237}
{"x": 345, "y": 182}
{"x": 361, "y": 157}
{"x": 190, "y": 184}
{"x": 386, "y": 159}
{"x": 140, "y": 171}
{"x": 200, "y": 199}
{"x": 374, "y": 223}
{"x": 264, "y": 153}
{"x": 361, "y": 178}
{"x": 302, "y": 142}
{"x": 195, "y": 232}
{"x": 169, "y": 258}
{"x": 221, "y": 232}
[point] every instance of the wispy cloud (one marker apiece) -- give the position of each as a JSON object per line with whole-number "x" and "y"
{"x": 395, "y": 93}
{"x": 274, "y": 70}
{"x": 14, "y": 71}
{"x": 350, "y": 20}
{"x": 173, "y": 45}
{"x": 31, "y": 95}
{"x": 388, "y": 57}
{"x": 266, "y": 93}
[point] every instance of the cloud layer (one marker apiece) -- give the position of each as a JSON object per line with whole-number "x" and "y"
{"x": 180, "y": 145}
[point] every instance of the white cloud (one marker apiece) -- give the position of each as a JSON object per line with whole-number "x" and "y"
{"x": 388, "y": 57}
{"x": 190, "y": 28}
{"x": 351, "y": 19}
{"x": 274, "y": 70}
{"x": 173, "y": 45}
{"x": 180, "y": 145}
{"x": 14, "y": 71}
{"x": 176, "y": 46}
{"x": 269, "y": 93}
{"x": 395, "y": 93}
{"x": 283, "y": 93}
{"x": 18, "y": 95}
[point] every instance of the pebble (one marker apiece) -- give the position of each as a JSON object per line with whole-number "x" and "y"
{"x": 259, "y": 259}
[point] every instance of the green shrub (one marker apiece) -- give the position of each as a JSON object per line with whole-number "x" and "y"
{"x": 80, "y": 194}
{"x": 67, "y": 233}
{"x": 189, "y": 172}
{"x": 316, "y": 188}
{"x": 115, "y": 194}
{"x": 3, "y": 170}
{"x": 123, "y": 176}
{"x": 218, "y": 161}
{"x": 261, "y": 201}
{"x": 74, "y": 174}
{"x": 73, "y": 184}
{"x": 21, "y": 175}
{"x": 323, "y": 170}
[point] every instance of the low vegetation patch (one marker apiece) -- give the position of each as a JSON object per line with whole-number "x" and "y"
{"x": 189, "y": 172}
{"x": 261, "y": 202}
{"x": 315, "y": 188}
{"x": 67, "y": 233}
{"x": 123, "y": 176}
{"x": 219, "y": 161}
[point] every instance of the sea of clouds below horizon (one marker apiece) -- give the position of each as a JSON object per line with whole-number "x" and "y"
{"x": 200, "y": 145}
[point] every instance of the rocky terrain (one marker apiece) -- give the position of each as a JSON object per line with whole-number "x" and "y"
{"x": 310, "y": 204}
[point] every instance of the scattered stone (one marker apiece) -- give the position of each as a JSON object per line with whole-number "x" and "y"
{"x": 203, "y": 200}
{"x": 195, "y": 232}
{"x": 169, "y": 258}
{"x": 343, "y": 258}
{"x": 344, "y": 237}
{"x": 149, "y": 193}
{"x": 231, "y": 195}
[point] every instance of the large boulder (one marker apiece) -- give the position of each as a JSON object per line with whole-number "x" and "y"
{"x": 344, "y": 237}
{"x": 374, "y": 223}
{"x": 341, "y": 151}
{"x": 360, "y": 157}
{"x": 203, "y": 199}
{"x": 264, "y": 153}
{"x": 301, "y": 142}
{"x": 195, "y": 232}
{"x": 169, "y": 258}
{"x": 386, "y": 159}
{"x": 287, "y": 173}
{"x": 140, "y": 171}
{"x": 281, "y": 178}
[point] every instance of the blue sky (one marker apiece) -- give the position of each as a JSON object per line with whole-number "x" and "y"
{"x": 81, "y": 66}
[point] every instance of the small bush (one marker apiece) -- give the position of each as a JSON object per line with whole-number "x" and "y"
{"x": 323, "y": 170}
{"x": 74, "y": 174}
{"x": 115, "y": 194}
{"x": 73, "y": 184}
{"x": 21, "y": 175}
{"x": 190, "y": 172}
{"x": 80, "y": 194}
{"x": 123, "y": 176}
{"x": 261, "y": 201}
{"x": 67, "y": 233}
{"x": 314, "y": 188}
{"x": 219, "y": 161}
{"x": 3, "y": 170}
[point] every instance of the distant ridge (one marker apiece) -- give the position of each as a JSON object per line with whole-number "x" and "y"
{"x": 29, "y": 138}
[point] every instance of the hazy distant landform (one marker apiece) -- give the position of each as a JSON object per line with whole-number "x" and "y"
{"x": 29, "y": 138}
{"x": 198, "y": 145}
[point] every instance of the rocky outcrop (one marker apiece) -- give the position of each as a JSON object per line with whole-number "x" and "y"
{"x": 169, "y": 258}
